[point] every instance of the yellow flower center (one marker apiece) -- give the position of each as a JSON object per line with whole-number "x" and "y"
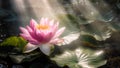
{"x": 42, "y": 27}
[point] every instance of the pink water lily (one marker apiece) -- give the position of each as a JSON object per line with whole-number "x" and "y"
{"x": 44, "y": 32}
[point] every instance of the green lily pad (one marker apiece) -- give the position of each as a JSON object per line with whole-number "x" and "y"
{"x": 20, "y": 58}
{"x": 88, "y": 38}
{"x": 81, "y": 58}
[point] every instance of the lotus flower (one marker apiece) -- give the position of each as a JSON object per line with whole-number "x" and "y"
{"x": 41, "y": 34}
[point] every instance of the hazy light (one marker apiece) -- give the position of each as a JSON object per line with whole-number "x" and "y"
{"x": 52, "y": 9}
{"x": 99, "y": 53}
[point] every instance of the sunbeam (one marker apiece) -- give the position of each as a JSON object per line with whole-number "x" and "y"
{"x": 59, "y": 33}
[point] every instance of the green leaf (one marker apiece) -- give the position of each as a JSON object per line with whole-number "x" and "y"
{"x": 88, "y": 38}
{"x": 19, "y": 58}
{"x": 114, "y": 26}
{"x": 21, "y": 43}
{"x": 14, "y": 41}
{"x": 80, "y": 58}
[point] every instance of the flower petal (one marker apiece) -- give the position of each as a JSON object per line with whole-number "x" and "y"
{"x": 54, "y": 27}
{"x": 32, "y": 33}
{"x": 51, "y": 23}
{"x": 42, "y": 36}
{"x": 46, "y": 32}
{"x": 57, "y": 41}
{"x": 49, "y": 36}
{"x": 46, "y": 21}
{"x": 59, "y": 32}
{"x": 30, "y": 47}
{"x": 24, "y": 30}
{"x": 39, "y": 35}
{"x": 46, "y": 48}
{"x": 33, "y": 23}
{"x": 29, "y": 29}
{"x": 29, "y": 38}
{"x": 42, "y": 21}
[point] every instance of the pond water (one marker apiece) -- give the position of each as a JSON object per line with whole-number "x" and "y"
{"x": 96, "y": 19}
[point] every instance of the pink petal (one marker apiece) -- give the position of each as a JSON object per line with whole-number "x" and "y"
{"x": 39, "y": 35}
{"x": 33, "y": 35}
{"x": 30, "y": 39}
{"x": 24, "y": 30}
{"x": 24, "y": 35}
{"x": 48, "y": 36}
{"x": 44, "y": 37}
{"x": 30, "y": 47}
{"x": 59, "y": 32}
{"x": 27, "y": 35}
{"x": 29, "y": 29}
{"x": 46, "y": 21}
{"x": 31, "y": 32}
{"x": 51, "y": 23}
{"x": 33, "y": 23}
{"x": 55, "y": 27}
{"x": 42, "y": 21}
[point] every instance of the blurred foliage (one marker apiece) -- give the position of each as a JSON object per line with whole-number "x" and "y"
{"x": 20, "y": 58}
{"x": 14, "y": 41}
{"x": 11, "y": 45}
{"x": 80, "y": 58}
{"x": 88, "y": 38}
{"x": 76, "y": 24}
{"x": 15, "y": 45}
